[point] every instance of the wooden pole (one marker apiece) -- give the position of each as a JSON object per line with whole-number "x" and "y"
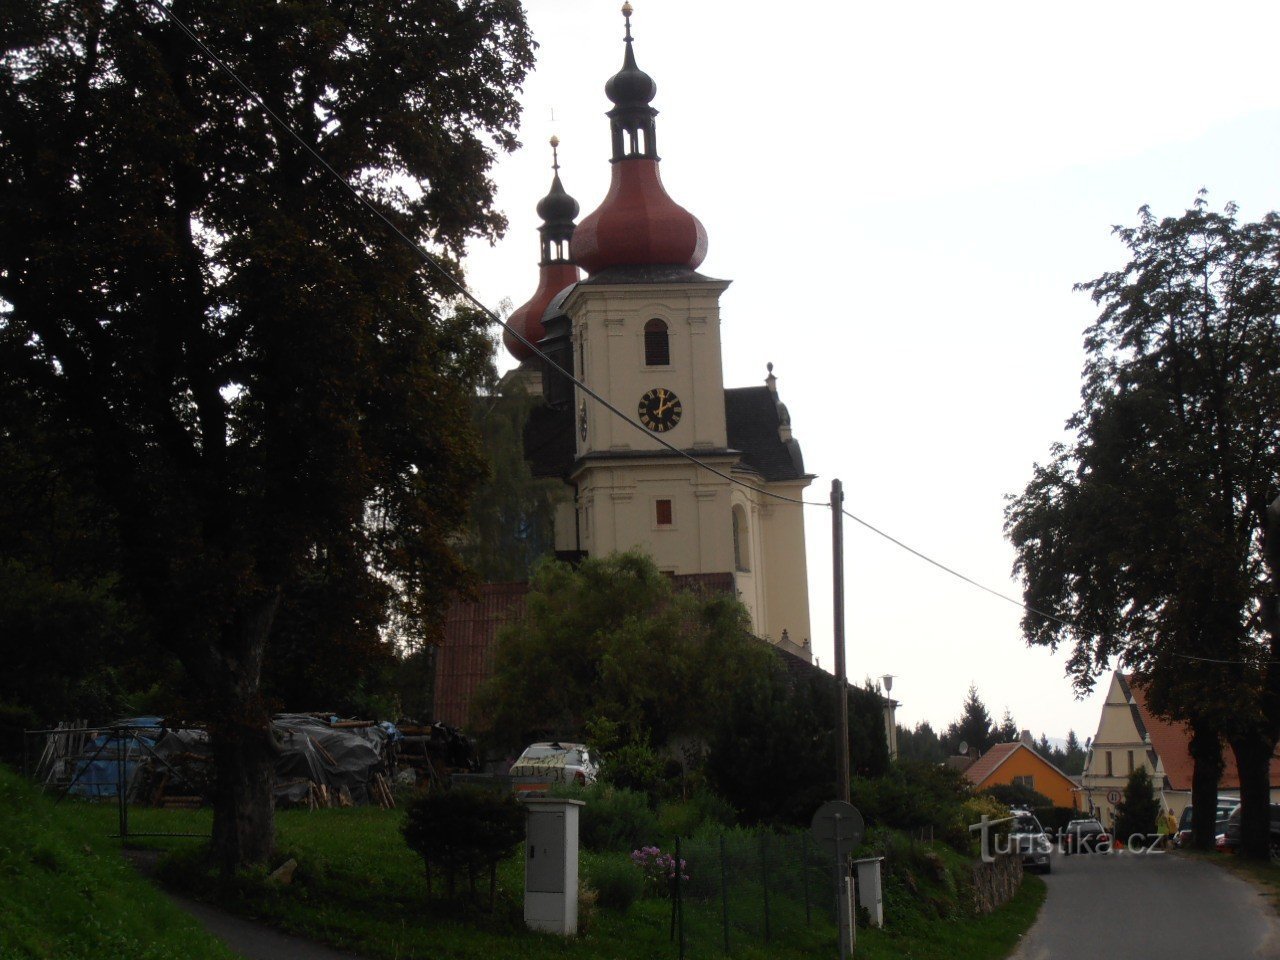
{"x": 837, "y": 597}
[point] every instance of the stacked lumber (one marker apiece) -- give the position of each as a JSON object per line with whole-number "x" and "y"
{"x": 380, "y": 792}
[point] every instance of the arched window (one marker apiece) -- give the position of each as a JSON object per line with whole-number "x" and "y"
{"x": 741, "y": 545}
{"x": 657, "y": 346}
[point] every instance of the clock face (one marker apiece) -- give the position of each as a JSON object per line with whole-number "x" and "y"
{"x": 659, "y": 410}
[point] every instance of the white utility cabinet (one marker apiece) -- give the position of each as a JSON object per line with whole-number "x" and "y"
{"x": 551, "y": 865}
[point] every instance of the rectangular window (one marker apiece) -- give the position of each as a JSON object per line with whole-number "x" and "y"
{"x": 1109, "y": 763}
{"x": 1028, "y": 782}
{"x": 1131, "y": 761}
{"x": 664, "y": 513}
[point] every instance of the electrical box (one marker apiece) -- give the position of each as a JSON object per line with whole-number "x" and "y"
{"x": 551, "y": 865}
{"x": 870, "y": 889}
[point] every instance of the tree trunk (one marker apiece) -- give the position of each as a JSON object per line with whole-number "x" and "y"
{"x": 1206, "y": 753}
{"x": 244, "y": 751}
{"x": 1253, "y": 759}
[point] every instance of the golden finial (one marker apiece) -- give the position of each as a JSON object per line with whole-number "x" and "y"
{"x": 626, "y": 9}
{"x": 555, "y": 152}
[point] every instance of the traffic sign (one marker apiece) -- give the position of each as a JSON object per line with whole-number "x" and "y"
{"x": 837, "y": 827}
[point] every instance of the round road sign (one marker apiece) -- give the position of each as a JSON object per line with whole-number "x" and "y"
{"x": 1113, "y": 796}
{"x": 837, "y": 827}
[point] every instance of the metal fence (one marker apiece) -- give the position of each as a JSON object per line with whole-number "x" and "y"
{"x": 739, "y": 888}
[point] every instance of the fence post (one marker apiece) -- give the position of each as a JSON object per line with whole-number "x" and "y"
{"x": 764, "y": 880}
{"x": 804, "y": 877}
{"x": 120, "y": 768}
{"x": 679, "y": 896}
{"x": 724, "y": 893}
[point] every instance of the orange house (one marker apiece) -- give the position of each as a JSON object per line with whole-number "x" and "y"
{"x": 1017, "y": 763}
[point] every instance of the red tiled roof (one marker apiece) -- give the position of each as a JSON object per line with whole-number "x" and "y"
{"x": 1172, "y": 743}
{"x": 986, "y": 764}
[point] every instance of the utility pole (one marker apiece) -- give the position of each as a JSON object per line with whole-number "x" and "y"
{"x": 837, "y": 596}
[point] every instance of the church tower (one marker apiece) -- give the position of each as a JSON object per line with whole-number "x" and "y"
{"x": 642, "y": 331}
{"x": 646, "y": 335}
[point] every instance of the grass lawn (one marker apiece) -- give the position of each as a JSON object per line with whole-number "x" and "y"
{"x": 66, "y": 893}
{"x": 359, "y": 887}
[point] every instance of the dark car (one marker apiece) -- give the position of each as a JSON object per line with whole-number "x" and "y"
{"x": 1027, "y": 838}
{"x": 1232, "y": 841}
{"x": 1183, "y": 837}
{"x": 1086, "y": 836}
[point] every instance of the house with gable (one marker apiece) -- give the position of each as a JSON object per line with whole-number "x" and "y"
{"x": 1130, "y": 736}
{"x": 1019, "y": 764}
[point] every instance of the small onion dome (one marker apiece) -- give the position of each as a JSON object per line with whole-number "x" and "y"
{"x": 638, "y": 224}
{"x": 630, "y": 86}
{"x": 552, "y": 279}
{"x": 555, "y": 268}
{"x": 557, "y": 208}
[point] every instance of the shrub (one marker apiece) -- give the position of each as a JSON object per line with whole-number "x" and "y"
{"x": 915, "y": 796}
{"x": 613, "y": 818}
{"x": 684, "y": 818}
{"x": 463, "y": 829}
{"x": 617, "y": 883}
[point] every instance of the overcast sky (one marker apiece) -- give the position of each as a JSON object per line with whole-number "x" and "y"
{"x": 903, "y": 196}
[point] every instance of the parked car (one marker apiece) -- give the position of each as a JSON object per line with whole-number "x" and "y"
{"x": 1086, "y": 836}
{"x": 1027, "y": 838}
{"x": 1231, "y": 842}
{"x": 1183, "y": 837}
{"x": 542, "y": 764}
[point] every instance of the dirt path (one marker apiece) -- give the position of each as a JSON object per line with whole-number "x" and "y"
{"x": 249, "y": 938}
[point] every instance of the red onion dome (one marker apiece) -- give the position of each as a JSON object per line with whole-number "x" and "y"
{"x": 555, "y": 267}
{"x": 638, "y": 224}
{"x": 552, "y": 278}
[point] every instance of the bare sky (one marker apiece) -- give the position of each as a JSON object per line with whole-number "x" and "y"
{"x": 903, "y": 195}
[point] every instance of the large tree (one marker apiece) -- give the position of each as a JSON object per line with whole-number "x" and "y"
{"x": 263, "y": 379}
{"x": 1142, "y": 538}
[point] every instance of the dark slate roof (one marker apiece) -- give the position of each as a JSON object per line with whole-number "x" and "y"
{"x": 548, "y": 441}
{"x": 753, "y": 415}
{"x": 647, "y": 273}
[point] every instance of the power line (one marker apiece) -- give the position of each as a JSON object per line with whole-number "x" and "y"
{"x": 955, "y": 573}
{"x": 461, "y": 288}
{"x": 450, "y": 279}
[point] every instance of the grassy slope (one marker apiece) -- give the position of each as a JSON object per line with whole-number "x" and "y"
{"x": 66, "y": 893}
{"x": 359, "y": 887}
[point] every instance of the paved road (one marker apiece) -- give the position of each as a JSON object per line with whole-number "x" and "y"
{"x": 1128, "y": 907}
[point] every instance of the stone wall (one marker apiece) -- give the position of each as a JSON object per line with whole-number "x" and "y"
{"x": 995, "y": 883}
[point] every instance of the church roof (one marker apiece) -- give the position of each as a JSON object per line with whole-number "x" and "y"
{"x": 753, "y": 417}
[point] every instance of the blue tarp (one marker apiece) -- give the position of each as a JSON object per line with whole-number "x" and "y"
{"x": 98, "y": 773}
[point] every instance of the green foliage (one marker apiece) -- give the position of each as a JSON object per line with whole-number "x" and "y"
{"x": 612, "y": 640}
{"x": 614, "y": 818}
{"x": 773, "y": 753}
{"x": 1137, "y": 810}
{"x": 509, "y": 523}
{"x": 913, "y": 796}
{"x": 1143, "y": 536}
{"x": 67, "y": 894}
{"x": 703, "y": 809}
{"x": 974, "y": 728}
{"x": 263, "y": 384}
{"x": 920, "y": 743}
{"x": 1017, "y": 795}
{"x": 618, "y": 884}
{"x": 461, "y": 829}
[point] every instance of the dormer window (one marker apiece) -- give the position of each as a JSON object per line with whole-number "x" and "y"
{"x": 657, "y": 345}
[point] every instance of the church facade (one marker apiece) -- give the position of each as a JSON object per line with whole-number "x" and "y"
{"x": 640, "y": 333}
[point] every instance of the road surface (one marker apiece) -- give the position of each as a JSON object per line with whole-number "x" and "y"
{"x": 1130, "y": 906}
